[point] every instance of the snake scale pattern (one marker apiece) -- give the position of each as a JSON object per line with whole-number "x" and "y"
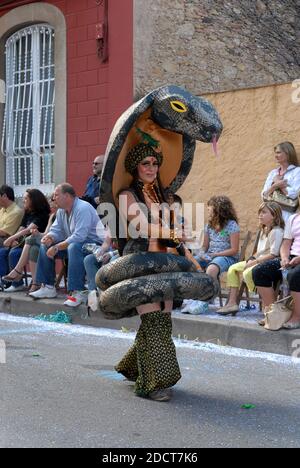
{"x": 146, "y": 277}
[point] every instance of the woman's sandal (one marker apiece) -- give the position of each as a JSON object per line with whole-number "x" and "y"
{"x": 19, "y": 276}
{"x": 32, "y": 288}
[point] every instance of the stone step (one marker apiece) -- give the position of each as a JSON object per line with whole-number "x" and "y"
{"x": 225, "y": 331}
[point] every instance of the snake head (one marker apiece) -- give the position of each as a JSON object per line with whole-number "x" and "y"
{"x": 178, "y": 110}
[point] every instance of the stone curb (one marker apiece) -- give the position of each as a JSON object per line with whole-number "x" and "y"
{"x": 232, "y": 333}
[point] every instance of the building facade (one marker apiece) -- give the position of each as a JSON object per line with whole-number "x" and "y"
{"x": 243, "y": 56}
{"x": 103, "y": 54}
{"x": 64, "y": 84}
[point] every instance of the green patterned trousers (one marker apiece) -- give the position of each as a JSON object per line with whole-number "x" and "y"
{"x": 151, "y": 362}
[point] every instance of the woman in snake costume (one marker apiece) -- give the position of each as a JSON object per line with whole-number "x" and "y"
{"x": 150, "y": 273}
{"x": 151, "y": 362}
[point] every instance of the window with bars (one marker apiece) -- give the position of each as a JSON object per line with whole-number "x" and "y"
{"x": 28, "y": 132}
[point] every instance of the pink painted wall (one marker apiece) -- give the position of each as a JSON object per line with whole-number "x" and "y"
{"x": 96, "y": 93}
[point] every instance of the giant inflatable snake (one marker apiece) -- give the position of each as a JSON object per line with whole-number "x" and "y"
{"x": 176, "y": 119}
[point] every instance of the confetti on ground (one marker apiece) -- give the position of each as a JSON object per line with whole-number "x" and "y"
{"x": 248, "y": 407}
{"x": 58, "y": 317}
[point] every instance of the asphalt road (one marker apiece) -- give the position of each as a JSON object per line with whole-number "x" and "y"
{"x": 58, "y": 389}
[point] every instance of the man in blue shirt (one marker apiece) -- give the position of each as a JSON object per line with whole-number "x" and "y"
{"x": 91, "y": 194}
{"x": 76, "y": 223}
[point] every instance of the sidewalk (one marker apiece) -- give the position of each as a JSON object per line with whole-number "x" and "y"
{"x": 241, "y": 331}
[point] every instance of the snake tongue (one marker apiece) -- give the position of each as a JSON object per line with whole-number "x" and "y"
{"x": 215, "y": 145}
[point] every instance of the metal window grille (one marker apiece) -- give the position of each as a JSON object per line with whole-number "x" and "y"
{"x": 28, "y": 131}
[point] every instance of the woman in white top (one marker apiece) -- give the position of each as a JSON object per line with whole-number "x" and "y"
{"x": 266, "y": 276}
{"x": 286, "y": 177}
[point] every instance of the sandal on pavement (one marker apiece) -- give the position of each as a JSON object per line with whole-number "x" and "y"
{"x": 228, "y": 310}
{"x": 9, "y": 278}
{"x": 32, "y": 288}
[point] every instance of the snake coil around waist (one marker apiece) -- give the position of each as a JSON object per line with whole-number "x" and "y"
{"x": 147, "y": 277}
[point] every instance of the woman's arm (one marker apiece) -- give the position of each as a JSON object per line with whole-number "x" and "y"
{"x": 295, "y": 261}
{"x": 106, "y": 244}
{"x": 280, "y": 185}
{"x": 273, "y": 183}
{"x": 293, "y": 188}
{"x": 268, "y": 184}
{"x": 285, "y": 252}
{"x": 205, "y": 245}
{"x": 22, "y": 232}
{"x": 265, "y": 258}
{"x": 256, "y": 261}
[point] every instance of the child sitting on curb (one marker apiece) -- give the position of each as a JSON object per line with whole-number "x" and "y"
{"x": 270, "y": 240}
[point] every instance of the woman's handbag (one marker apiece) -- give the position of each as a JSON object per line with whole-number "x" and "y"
{"x": 277, "y": 314}
{"x": 286, "y": 203}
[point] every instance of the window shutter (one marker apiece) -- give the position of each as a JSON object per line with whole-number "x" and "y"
{"x": 28, "y": 133}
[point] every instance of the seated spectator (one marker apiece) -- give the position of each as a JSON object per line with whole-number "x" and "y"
{"x": 267, "y": 275}
{"x": 36, "y": 216}
{"x": 91, "y": 194}
{"x": 221, "y": 237}
{"x": 286, "y": 178}
{"x": 31, "y": 251}
{"x": 270, "y": 240}
{"x": 10, "y": 215}
{"x": 93, "y": 262}
{"x": 76, "y": 223}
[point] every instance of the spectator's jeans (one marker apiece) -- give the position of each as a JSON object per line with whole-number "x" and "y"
{"x": 4, "y": 261}
{"x": 91, "y": 267}
{"x": 8, "y": 260}
{"x": 76, "y": 272}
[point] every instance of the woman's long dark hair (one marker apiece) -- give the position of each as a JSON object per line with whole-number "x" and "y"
{"x": 38, "y": 202}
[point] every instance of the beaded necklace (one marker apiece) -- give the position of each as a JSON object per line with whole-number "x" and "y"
{"x": 148, "y": 189}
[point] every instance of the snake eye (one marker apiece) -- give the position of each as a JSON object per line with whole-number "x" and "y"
{"x": 178, "y": 106}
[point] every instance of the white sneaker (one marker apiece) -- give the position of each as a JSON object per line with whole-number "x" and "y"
{"x": 45, "y": 292}
{"x": 75, "y": 299}
{"x": 196, "y": 307}
{"x": 93, "y": 300}
{"x": 186, "y": 304}
{"x": 13, "y": 289}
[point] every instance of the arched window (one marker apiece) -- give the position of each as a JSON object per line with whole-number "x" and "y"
{"x": 28, "y": 137}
